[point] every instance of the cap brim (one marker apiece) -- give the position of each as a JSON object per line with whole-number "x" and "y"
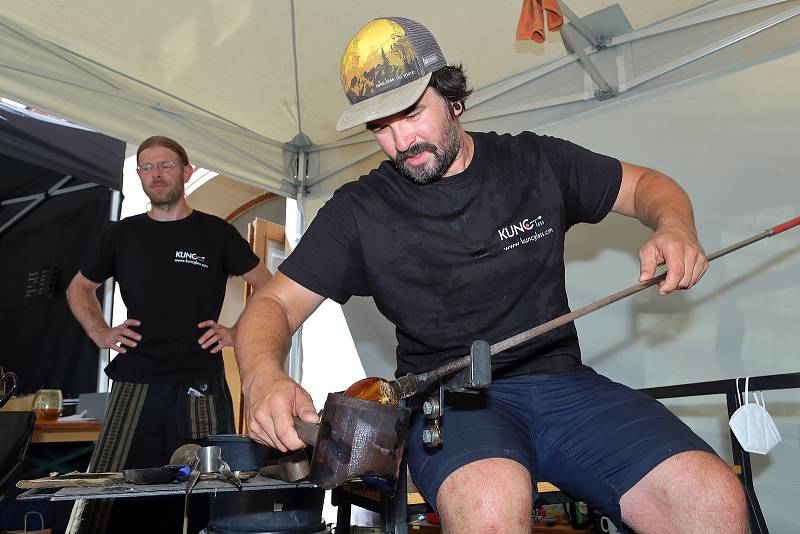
{"x": 383, "y": 105}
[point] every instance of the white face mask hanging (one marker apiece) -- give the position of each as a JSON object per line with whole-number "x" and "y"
{"x": 751, "y": 423}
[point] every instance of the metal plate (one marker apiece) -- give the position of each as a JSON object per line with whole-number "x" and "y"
{"x": 257, "y": 483}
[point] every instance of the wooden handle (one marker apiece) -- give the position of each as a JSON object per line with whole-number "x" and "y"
{"x": 306, "y": 431}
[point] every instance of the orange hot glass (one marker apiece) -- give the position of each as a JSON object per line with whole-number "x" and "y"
{"x": 47, "y": 404}
{"x": 375, "y": 390}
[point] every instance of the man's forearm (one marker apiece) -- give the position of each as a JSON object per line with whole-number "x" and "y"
{"x": 86, "y": 309}
{"x": 661, "y": 203}
{"x": 263, "y": 338}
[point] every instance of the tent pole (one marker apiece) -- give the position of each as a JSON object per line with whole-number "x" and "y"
{"x": 38, "y": 199}
{"x": 104, "y": 356}
{"x": 604, "y": 88}
{"x": 579, "y": 25}
{"x": 295, "y": 359}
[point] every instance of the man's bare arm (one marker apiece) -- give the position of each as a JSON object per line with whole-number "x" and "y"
{"x": 661, "y": 204}
{"x": 263, "y": 338}
{"x": 84, "y": 305}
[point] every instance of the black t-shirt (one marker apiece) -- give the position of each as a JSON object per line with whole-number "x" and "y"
{"x": 172, "y": 276}
{"x": 477, "y": 255}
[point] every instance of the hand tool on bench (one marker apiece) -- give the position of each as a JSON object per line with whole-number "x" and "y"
{"x": 354, "y": 438}
{"x": 290, "y": 468}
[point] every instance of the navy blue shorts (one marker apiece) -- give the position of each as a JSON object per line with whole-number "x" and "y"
{"x": 591, "y": 437}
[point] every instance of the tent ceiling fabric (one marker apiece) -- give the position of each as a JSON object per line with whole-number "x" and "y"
{"x": 236, "y": 80}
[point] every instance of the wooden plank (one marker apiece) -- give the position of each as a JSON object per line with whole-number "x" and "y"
{"x": 543, "y": 487}
{"x": 73, "y": 480}
{"x": 65, "y": 431}
{"x": 68, "y": 426}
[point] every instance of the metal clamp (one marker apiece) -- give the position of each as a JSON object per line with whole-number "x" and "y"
{"x": 433, "y": 408}
{"x": 478, "y": 375}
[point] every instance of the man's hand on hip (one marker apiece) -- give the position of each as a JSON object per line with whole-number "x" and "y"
{"x": 217, "y": 336}
{"x": 119, "y": 337}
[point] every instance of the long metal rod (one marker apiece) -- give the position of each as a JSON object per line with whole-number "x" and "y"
{"x": 39, "y": 196}
{"x": 462, "y": 362}
{"x": 36, "y": 202}
{"x": 472, "y": 116}
{"x": 688, "y": 22}
{"x": 710, "y": 49}
{"x": 569, "y": 35}
{"x": 294, "y": 361}
{"x": 104, "y": 355}
{"x": 579, "y": 25}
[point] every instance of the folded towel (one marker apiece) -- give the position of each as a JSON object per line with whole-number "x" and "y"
{"x": 531, "y": 19}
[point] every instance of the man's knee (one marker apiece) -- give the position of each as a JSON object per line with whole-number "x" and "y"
{"x": 715, "y": 492}
{"x": 708, "y": 479}
{"x": 695, "y": 485}
{"x": 491, "y": 495}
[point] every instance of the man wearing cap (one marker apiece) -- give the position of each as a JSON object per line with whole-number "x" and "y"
{"x": 459, "y": 236}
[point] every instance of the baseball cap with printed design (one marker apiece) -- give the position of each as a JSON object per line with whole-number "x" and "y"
{"x": 386, "y": 68}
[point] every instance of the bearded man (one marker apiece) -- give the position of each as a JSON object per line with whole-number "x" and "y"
{"x": 459, "y": 236}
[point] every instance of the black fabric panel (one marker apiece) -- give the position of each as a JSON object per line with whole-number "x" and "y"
{"x": 42, "y": 342}
{"x": 16, "y": 429}
{"x": 60, "y": 147}
{"x": 34, "y": 180}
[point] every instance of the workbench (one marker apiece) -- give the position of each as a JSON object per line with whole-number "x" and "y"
{"x": 256, "y": 483}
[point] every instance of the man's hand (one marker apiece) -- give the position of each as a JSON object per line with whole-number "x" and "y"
{"x": 680, "y": 252}
{"x": 272, "y": 399}
{"x": 119, "y": 337}
{"x": 217, "y": 336}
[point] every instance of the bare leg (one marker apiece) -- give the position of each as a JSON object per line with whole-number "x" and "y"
{"x": 690, "y": 492}
{"x": 488, "y": 496}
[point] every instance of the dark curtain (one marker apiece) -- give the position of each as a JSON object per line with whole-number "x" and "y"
{"x": 41, "y": 340}
{"x": 41, "y": 252}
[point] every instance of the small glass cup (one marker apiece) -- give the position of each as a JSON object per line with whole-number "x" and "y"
{"x": 47, "y": 404}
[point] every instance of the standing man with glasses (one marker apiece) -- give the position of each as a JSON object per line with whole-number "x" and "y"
{"x": 172, "y": 264}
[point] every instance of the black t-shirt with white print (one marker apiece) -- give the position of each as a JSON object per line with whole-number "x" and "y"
{"x": 477, "y": 255}
{"x": 172, "y": 276}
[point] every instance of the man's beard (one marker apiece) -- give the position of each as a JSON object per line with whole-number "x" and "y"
{"x": 165, "y": 198}
{"x": 433, "y": 170}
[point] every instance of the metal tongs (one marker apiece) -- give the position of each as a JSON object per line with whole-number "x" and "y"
{"x": 207, "y": 463}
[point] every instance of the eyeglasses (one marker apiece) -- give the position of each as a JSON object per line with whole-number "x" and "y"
{"x": 162, "y": 166}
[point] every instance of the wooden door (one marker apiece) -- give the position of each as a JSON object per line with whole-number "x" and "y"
{"x": 268, "y": 241}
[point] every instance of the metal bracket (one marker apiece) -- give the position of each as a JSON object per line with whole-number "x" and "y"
{"x": 603, "y": 41}
{"x": 433, "y": 409}
{"x": 479, "y": 373}
{"x": 606, "y": 92}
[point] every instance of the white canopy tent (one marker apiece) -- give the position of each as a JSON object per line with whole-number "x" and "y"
{"x": 237, "y": 81}
{"x": 706, "y": 91}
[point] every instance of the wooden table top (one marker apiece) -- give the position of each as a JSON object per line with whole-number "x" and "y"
{"x": 65, "y": 431}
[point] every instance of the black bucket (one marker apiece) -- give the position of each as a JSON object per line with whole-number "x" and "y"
{"x": 242, "y": 453}
{"x": 291, "y": 511}
{"x": 287, "y": 511}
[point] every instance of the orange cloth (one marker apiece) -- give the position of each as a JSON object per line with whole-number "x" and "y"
{"x": 531, "y": 19}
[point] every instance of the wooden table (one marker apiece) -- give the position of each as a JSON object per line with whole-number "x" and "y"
{"x": 65, "y": 431}
{"x": 51, "y": 455}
